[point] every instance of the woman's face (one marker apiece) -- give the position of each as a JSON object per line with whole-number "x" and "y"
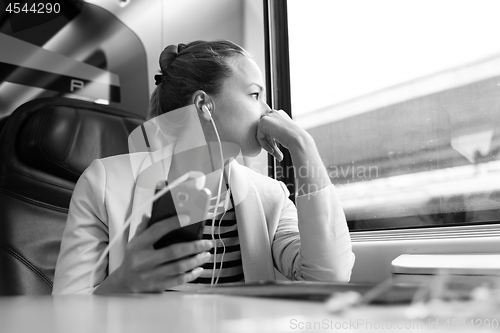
{"x": 240, "y": 105}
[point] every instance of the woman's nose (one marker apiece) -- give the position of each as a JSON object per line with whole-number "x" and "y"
{"x": 267, "y": 109}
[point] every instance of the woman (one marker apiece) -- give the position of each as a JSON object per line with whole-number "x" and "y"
{"x": 224, "y": 87}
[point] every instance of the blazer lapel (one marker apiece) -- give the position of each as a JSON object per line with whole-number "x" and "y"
{"x": 253, "y": 235}
{"x": 151, "y": 172}
{"x": 141, "y": 197}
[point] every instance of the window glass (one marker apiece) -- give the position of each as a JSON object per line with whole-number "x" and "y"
{"x": 403, "y": 101}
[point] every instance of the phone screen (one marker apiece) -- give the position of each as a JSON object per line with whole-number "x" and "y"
{"x": 164, "y": 208}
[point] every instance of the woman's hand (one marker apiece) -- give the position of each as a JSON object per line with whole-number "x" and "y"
{"x": 278, "y": 126}
{"x": 145, "y": 269}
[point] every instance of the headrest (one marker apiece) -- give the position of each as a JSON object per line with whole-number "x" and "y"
{"x": 64, "y": 140}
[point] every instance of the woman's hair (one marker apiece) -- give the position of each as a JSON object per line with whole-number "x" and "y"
{"x": 199, "y": 65}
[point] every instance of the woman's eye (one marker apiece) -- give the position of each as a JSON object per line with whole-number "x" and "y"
{"x": 256, "y": 95}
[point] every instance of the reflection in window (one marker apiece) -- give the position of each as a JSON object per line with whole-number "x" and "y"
{"x": 403, "y": 100}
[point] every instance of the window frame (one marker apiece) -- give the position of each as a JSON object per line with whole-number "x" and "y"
{"x": 277, "y": 60}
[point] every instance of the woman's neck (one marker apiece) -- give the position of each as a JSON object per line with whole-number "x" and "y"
{"x": 206, "y": 159}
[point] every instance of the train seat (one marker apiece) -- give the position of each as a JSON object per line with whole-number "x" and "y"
{"x": 46, "y": 144}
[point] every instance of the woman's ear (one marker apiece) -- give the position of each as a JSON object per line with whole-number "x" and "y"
{"x": 202, "y": 102}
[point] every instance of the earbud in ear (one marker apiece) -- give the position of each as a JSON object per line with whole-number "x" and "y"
{"x": 206, "y": 111}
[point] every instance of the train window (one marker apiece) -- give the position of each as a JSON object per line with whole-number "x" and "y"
{"x": 403, "y": 101}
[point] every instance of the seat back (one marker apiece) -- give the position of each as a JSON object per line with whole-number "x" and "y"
{"x": 46, "y": 145}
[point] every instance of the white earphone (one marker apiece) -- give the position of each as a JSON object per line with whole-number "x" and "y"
{"x": 206, "y": 111}
{"x": 215, "y": 280}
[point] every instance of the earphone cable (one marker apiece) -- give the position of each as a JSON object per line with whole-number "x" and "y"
{"x": 219, "y": 191}
{"x": 226, "y": 204}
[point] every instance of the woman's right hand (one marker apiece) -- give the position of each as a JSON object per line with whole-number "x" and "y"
{"x": 145, "y": 269}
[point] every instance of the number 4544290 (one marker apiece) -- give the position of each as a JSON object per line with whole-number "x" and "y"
{"x": 35, "y": 8}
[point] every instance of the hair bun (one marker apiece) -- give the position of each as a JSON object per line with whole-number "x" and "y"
{"x": 167, "y": 57}
{"x": 181, "y": 47}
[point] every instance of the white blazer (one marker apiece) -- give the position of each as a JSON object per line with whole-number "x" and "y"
{"x": 111, "y": 189}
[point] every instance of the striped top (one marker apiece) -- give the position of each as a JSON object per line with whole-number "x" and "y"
{"x": 225, "y": 235}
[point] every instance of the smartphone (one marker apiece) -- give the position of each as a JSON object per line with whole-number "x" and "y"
{"x": 185, "y": 200}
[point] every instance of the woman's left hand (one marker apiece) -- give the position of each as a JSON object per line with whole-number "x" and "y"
{"x": 278, "y": 126}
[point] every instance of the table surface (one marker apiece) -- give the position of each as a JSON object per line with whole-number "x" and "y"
{"x": 189, "y": 312}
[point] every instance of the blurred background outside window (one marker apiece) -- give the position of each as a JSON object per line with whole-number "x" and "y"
{"x": 403, "y": 100}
